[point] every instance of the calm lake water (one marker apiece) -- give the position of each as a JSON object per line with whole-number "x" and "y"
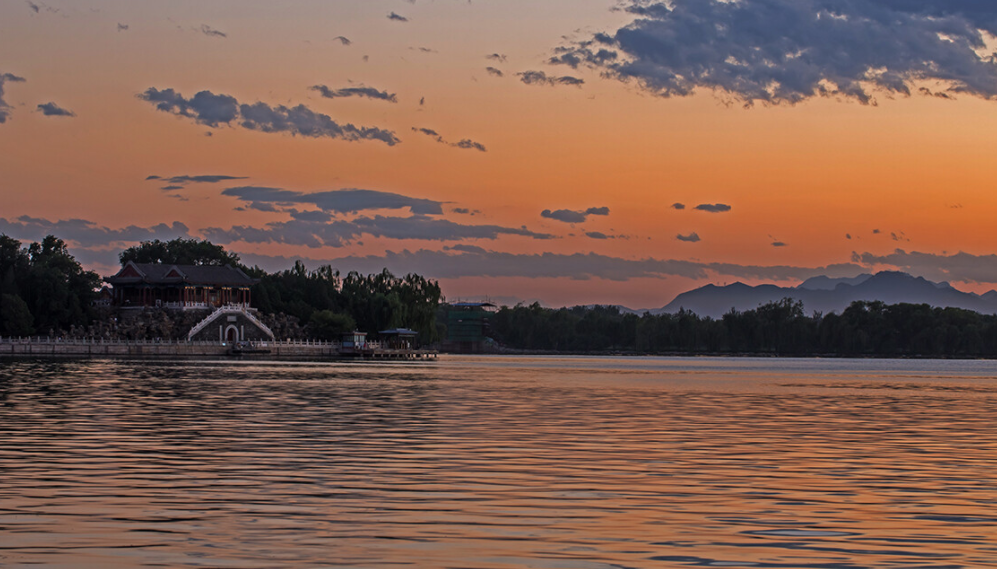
{"x": 491, "y": 462}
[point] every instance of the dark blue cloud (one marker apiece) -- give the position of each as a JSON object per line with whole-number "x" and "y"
{"x": 205, "y": 107}
{"x": 53, "y": 110}
{"x": 690, "y": 238}
{"x": 88, "y": 234}
{"x": 214, "y": 110}
{"x": 336, "y": 201}
{"x": 339, "y": 233}
{"x": 4, "y": 107}
{"x": 572, "y": 216}
{"x": 786, "y": 51}
{"x": 713, "y": 207}
{"x": 200, "y": 179}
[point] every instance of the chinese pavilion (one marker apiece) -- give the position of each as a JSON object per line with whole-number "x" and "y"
{"x": 180, "y": 287}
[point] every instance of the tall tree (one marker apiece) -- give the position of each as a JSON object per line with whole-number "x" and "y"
{"x": 179, "y": 251}
{"x": 43, "y": 287}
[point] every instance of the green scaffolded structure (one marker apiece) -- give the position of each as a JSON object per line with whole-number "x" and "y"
{"x": 469, "y": 327}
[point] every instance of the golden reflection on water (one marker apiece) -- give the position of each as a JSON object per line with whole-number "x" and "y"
{"x": 499, "y": 462}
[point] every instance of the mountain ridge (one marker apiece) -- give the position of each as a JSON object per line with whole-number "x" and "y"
{"x": 824, "y": 294}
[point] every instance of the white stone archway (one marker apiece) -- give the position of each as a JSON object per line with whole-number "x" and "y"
{"x": 231, "y": 334}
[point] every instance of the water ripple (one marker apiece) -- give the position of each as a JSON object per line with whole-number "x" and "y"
{"x": 498, "y": 463}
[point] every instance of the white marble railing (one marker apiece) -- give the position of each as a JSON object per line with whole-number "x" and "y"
{"x": 229, "y": 309}
{"x": 6, "y": 340}
{"x": 200, "y": 305}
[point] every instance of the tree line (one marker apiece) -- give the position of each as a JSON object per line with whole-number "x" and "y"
{"x": 44, "y": 290}
{"x": 865, "y": 328}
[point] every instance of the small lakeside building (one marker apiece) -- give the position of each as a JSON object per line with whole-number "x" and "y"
{"x": 398, "y": 338}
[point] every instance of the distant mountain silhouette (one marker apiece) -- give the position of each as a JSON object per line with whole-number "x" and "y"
{"x": 824, "y": 294}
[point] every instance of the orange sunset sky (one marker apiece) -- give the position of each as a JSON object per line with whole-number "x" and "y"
{"x": 521, "y": 150}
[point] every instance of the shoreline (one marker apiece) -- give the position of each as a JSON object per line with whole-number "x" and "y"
{"x": 42, "y": 347}
{"x": 318, "y": 351}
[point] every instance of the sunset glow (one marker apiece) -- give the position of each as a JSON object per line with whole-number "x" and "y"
{"x": 473, "y": 164}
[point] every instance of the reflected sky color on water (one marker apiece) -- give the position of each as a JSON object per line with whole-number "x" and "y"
{"x": 499, "y": 462}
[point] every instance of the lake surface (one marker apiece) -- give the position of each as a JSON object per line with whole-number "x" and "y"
{"x": 499, "y": 462}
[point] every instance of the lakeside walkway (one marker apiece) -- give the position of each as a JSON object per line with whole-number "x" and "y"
{"x": 44, "y": 346}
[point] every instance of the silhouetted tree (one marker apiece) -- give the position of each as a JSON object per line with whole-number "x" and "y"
{"x": 179, "y": 251}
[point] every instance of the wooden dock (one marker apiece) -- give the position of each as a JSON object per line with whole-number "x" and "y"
{"x": 298, "y": 350}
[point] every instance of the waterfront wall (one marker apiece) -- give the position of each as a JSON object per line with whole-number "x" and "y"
{"x": 288, "y": 350}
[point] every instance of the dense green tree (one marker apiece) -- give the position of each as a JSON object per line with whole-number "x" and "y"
{"x": 14, "y": 264}
{"x": 44, "y": 287}
{"x": 777, "y": 328}
{"x": 15, "y": 318}
{"x": 375, "y": 302}
{"x": 179, "y": 251}
{"x": 329, "y": 325}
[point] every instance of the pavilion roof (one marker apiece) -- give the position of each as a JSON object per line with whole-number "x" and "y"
{"x": 163, "y": 274}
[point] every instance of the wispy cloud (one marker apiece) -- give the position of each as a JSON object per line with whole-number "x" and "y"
{"x": 211, "y": 32}
{"x": 541, "y": 78}
{"x": 466, "y": 143}
{"x": 199, "y": 179}
{"x": 361, "y": 91}
{"x": 397, "y": 18}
